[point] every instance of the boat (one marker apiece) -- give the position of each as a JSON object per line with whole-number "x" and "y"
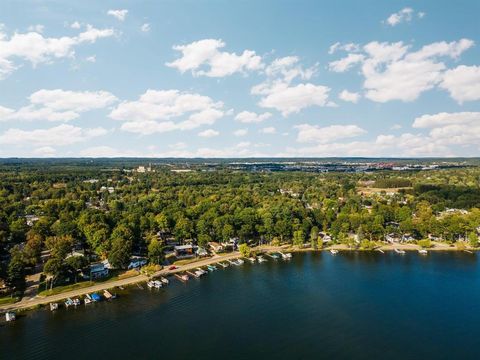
{"x": 68, "y": 302}
{"x": 77, "y": 301}
{"x": 183, "y": 277}
{"x": 261, "y": 259}
{"x": 53, "y": 306}
{"x": 211, "y": 267}
{"x": 286, "y": 256}
{"x": 240, "y": 262}
{"x": 251, "y": 259}
{"x": 224, "y": 265}
{"x": 150, "y": 284}
{"x": 400, "y": 251}
{"x": 96, "y": 297}
{"x": 231, "y": 262}
{"x": 164, "y": 280}
{"x": 380, "y": 250}
{"x": 157, "y": 284}
{"x": 204, "y": 272}
{"x": 273, "y": 256}
{"x": 108, "y": 295}
{"x": 87, "y": 301}
{"x": 423, "y": 252}
{"x": 10, "y": 316}
{"x": 333, "y": 251}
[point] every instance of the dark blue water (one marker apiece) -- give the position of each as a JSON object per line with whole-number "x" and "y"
{"x": 317, "y": 306}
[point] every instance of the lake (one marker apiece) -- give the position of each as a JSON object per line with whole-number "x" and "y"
{"x": 353, "y": 305}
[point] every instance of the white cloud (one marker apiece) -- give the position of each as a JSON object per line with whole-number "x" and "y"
{"x": 444, "y": 118}
{"x": 349, "y": 47}
{"x": 314, "y": 133}
{"x": 396, "y": 127}
{"x": 91, "y": 59}
{"x": 240, "y": 132}
{"x": 37, "y": 28}
{"x": 61, "y": 135}
{"x": 208, "y": 133}
{"x": 346, "y": 95}
{"x": 292, "y": 99}
{"x": 118, "y": 14}
{"x": 37, "y": 49}
{"x": 268, "y": 130}
{"x": 75, "y": 25}
{"x": 392, "y": 72}
{"x": 204, "y": 58}
{"x": 289, "y": 68}
{"x": 404, "y": 15}
{"x": 167, "y": 110}
{"x": 58, "y": 105}
{"x": 252, "y": 117}
{"x": 145, "y": 27}
{"x": 345, "y": 63}
{"x": 463, "y": 83}
{"x": 45, "y": 151}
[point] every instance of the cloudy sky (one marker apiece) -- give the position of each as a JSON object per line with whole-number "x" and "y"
{"x": 251, "y": 78}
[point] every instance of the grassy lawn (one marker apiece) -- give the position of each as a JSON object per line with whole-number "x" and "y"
{"x": 61, "y": 289}
{"x": 80, "y": 285}
{"x": 9, "y": 300}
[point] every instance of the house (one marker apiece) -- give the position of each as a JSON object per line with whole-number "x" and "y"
{"x": 201, "y": 252}
{"x": 325, "y": 237}
{"x": 136, "y": 262}
{"x": 230, "y": 245}
{"x": 215, "y": 246}
{"x": 407, "y": 238}
{"x": 392, "y": 238}
{"x": 184, "y": 251}
{"x": 98, "y": 271}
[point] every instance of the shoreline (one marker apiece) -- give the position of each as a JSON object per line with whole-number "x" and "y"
{"x": 39, "y": 301}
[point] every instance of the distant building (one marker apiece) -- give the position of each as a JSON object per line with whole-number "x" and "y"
{"x": 31, "y": 219}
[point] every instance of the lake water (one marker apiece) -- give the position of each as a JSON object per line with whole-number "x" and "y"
{"x": 316, "y": 306}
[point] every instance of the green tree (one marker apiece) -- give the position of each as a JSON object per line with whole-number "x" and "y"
{"x": 245, "y": 250}
{"x": 155, "y": 251}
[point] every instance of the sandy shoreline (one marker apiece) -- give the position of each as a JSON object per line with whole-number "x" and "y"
{"x": 37, "y": 301}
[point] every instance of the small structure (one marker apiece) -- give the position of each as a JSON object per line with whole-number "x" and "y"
{"x": 31, "y": 219}
{"x": 215, "y": 246}
{"x": 98, "y": 271}
{"x": 201, "y": 252}
{"x": 392, "y": 238}
{"x": 184, "y": 251}
{"x": 136, "y": 262}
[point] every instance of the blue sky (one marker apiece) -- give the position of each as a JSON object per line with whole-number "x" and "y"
{"x": 250, "y": 78}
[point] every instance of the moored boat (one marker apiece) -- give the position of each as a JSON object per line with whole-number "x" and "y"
{"x": 333, "y": 251}
{"x": 423, "y": 252}
{"x": 53, "y": 306}
{"x": 164, "y": 280}
{"x": 10, "y": 316}
{"x": 400, "y": 251}
{"x": 261, "y": 259}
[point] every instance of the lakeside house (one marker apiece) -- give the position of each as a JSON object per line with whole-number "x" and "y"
{"x": 201, "y": 252}
{"x": 215, "y": 246}
{"x": 137, "y": 262}
{"x": 98, "y": 270}
{"x": 392, "y": 238}
{"x": 184, "y": 251}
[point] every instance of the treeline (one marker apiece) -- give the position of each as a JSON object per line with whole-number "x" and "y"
{"x": 114, "y": 214}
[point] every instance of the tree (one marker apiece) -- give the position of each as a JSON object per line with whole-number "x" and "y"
{"x": 245, "y": 250}
{"x": 122, "y": 243}
{"x": 16, "y": 270}
{"x": 155, "y": 251}
{"x": 298, "y": 238}
{"x": 473, "y": 239}
{"x": 314, "y": 236}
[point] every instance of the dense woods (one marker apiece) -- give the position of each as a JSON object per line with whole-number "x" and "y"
{"x": 109, "y": 213}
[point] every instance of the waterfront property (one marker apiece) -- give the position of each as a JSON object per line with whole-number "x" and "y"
{"x": 184, "y": 251}
{"x": 98, "y": 271}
